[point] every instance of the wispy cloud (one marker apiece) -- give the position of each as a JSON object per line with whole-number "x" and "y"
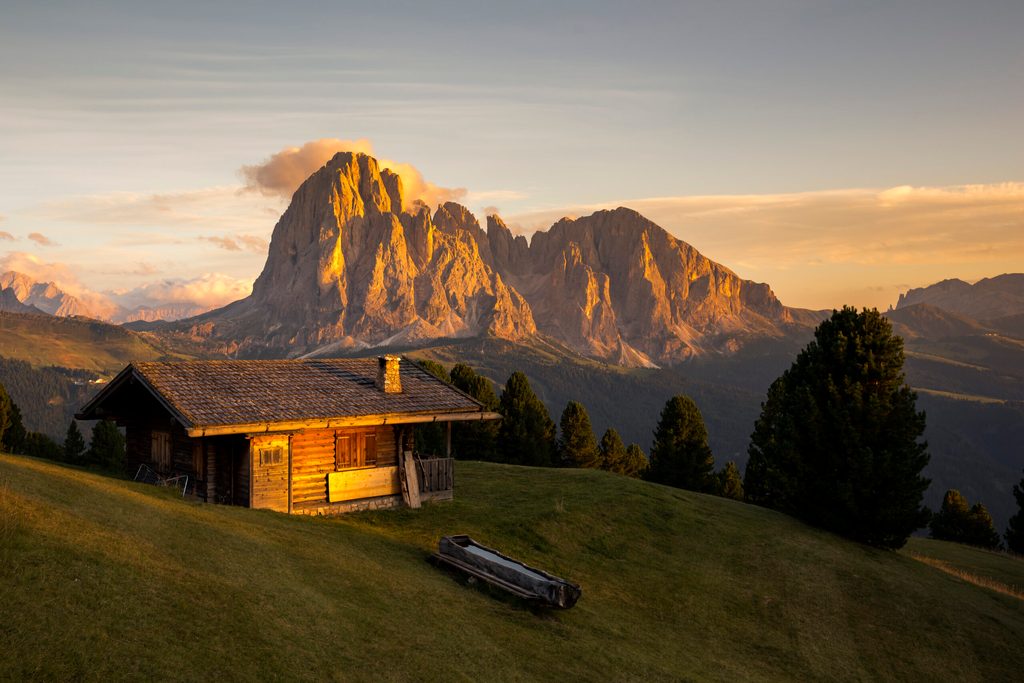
{"x": 283, "y": 172}
{"x": 41, "y": 239}
{"x": 6, "y": 236}
{"x": 252, "y": 243}
{"x": 227, "y": 208}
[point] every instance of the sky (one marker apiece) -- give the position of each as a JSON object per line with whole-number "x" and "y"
{"x": 843, "y": 152}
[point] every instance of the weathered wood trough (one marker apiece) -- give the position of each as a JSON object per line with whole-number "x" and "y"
{"x": 464, "y": 555}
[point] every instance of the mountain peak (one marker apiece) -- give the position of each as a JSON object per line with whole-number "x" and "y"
{"x": 349, "y": 266}
{"x": 987, "y": 299}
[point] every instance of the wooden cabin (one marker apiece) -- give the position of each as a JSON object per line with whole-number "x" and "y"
{"x": 314, "y": 436}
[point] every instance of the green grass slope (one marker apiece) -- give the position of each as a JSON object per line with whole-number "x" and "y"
{"x": 104, "y": 579}
{"x": 79, "y": 343}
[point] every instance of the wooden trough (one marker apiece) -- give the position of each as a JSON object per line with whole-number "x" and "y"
{"x": 464, "y": 555}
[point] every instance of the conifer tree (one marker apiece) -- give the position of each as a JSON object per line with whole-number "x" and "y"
{"x": 577, "y": 445}
{"x": 730, "y": 484}
{"x": 432, "y": 437}
{"x": 476, "y": 439}
{"x": 950, "y": 522}
{"x": 107, "y": 445}
{"x": 39, "y": 445}
{"x": 981, "y": 530}
{"x": 1015, "y": 530}
{"x": 613, "y": 452}
{"x": 74, "y": 445}
{"x": 6, "y": 413}
{"x": 838, "y": 440}
{"x": 680, "y": 455}
{"x": 527, "y": 433}
{"x": 636, "y": 461}
{"x": 14, "y": 438}
{"x": 958, "y": 522}
{"x": 435, "y": 369}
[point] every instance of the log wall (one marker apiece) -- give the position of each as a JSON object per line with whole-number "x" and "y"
{"x": 313, "y": 460}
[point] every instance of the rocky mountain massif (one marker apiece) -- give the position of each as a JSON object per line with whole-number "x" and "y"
{"x": 353, "y": 263}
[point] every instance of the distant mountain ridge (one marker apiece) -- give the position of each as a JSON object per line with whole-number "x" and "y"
{"x": 20, "y": 293}
{"x": 987, "y": 299}
{"x": 353, "y": 263}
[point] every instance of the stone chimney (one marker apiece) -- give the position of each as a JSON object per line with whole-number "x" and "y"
{"x": 388, "y": 378}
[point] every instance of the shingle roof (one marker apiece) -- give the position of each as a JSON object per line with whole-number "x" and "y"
{"x": 234, "y": 392}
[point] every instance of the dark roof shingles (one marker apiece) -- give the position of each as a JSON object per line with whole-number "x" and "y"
{"x": 229, "y": 392}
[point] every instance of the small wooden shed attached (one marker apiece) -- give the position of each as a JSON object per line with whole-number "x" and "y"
{"x": 314, "y": 436}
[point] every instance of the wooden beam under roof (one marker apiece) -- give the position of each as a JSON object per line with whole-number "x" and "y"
{"x": 339, "y": 423}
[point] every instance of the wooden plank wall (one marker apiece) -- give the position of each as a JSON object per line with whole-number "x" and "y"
{"x": 137, "y": 445}
{"x": 313, "y": 460}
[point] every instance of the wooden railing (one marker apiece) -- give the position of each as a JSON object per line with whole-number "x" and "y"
{"x": 437, "y": 477}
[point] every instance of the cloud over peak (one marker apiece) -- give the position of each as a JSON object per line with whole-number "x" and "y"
{"x": 283, "y": 172}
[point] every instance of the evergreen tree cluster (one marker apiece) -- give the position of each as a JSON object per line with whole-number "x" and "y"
{"x": 957, "y": 521}
{"x": 526, "y": 434}
{"x": 106, "y": 448}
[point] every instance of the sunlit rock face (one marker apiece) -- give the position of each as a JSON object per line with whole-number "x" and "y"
{"x": 354, "y": 263}
{"x": 349, "y": 267}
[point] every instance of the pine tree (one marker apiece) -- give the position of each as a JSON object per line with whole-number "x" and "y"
{"x": 527, "y": 433}
{"x": 577, "y": 445}
{"x": 950, "y": 522}
{"x": 957, "y": 522}
{"x": 39, "y": 445}
{"x": 432, "y": 437}
{"x": 74, "y": 445}
{"x": 838, "y": 440}
{"x": 107, "y": 445}
{"x": 477, "y": 439}
{"x": 435, "y": 369}
{"x": 613, "y": 452}
{"x": 6, "y": 414}
{"x": 730, "y": 484}
{"x": 636, "y": 462}
{"x": 680, "y": 455}
{"x": 981, "y": 530}
{"x": 1015, "y": 530}
{"x": 14, "y": 438}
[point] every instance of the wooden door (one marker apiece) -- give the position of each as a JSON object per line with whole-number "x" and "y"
{"x": 269, "y": 466}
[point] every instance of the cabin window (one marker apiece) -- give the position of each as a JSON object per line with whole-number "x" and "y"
{"x": 271, "y": 456}
{"x": 161, "y": 450}
{"x": 355, "y": 449}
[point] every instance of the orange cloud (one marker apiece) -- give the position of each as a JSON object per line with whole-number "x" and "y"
{"x": 41, "y": 239}
{"x": 207, "y": 291}
{"x": 283, "y": 172}
{"x": 6, "y": 236}
{"x": 256, "y": 245}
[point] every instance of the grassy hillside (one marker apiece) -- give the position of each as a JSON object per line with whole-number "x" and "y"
{"x": 104, "y": 579}
{"x": 79, "y": 343}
